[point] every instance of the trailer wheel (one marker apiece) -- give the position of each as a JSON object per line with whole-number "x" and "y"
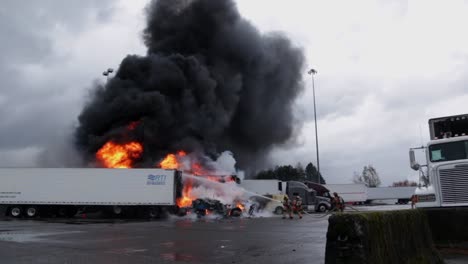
{"x": 15, "y": 211}
{"x": 153, "y": 212}
{"x": 182, "y": 211}
{"x": 117, "y": 210}
{"x": 31, "y": 211}
{"x": 279, "y": 210}
{"x": 145, "y": 212}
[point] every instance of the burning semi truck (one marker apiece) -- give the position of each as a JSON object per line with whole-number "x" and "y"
{"x": 444, "y": 177}
{"x": 142, "y": 193}
{"x": 118, "y": 190}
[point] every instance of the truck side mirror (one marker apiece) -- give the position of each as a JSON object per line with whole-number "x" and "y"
{"x": 413, "y": 164}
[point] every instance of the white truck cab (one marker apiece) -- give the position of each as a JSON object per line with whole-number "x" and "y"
{"x": 445, "y": 175}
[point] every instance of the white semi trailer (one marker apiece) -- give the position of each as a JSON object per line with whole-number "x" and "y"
{"x": 355, "y": 193}
{"x": 444, "y": 177}
{"x": 29, "y": 192}
{"x": 398, "y": 195}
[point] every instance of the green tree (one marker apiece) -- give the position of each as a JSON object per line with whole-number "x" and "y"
{"x": 283, "y": 173}
{"x": 288, "y": 173}
{"x": 311, "y": 174}
{"x": 266, "y": 174}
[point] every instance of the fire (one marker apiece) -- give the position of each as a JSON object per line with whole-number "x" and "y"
{"x": 240, "y": 206}
{"x": 186, "y": 199}
{"x": 197, "y": 169}
{"x": 170, "y": 162}
{"x": 186, "y": 163}
{"x": 114, "y": 155}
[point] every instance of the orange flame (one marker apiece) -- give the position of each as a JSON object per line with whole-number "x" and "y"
{"x": 179, "y": 161}
{"x": 186, "y": 199}
{"x": 197, "y": 169}
{"x": 241, "y": 206}
{"x": 169, "y": 162}
{"x": 114, "y": 155}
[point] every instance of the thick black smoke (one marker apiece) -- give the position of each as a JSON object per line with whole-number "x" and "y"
{"x": 210, "y": 82}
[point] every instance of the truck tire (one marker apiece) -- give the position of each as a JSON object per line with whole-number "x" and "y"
{"x": 154, "y": 212}
{"x": 279, "y": 210}
{"x": 117, "y": 210}
{"x": 322, "y": 208}
{"x": 31, "y": 211}
{"x": 16, "y": 211}
{"x": 146, "y": 212}
{"x": 182, "y": 211}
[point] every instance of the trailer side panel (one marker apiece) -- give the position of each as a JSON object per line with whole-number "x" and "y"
{"x": 87, "y": 186}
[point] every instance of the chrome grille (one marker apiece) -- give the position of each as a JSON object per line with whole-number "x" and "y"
{"x": 454, "y": 184}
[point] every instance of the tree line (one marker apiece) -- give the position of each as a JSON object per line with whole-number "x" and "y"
{"x": 292, "y": 173}
{"x": 369, "y": 175}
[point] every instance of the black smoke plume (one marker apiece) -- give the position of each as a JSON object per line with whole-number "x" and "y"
{"x": 210, "y": 82}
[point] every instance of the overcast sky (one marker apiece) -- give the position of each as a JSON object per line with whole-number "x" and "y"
{"x": 384, "y": 68}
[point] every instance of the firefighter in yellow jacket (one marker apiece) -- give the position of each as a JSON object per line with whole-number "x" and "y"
{"x": 287, "y": 208}
{"x": 297, "y": 205}
{"x": 337, "y": 202}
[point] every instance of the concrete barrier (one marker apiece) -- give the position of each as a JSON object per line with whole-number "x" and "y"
{"x": 380, "y": 237}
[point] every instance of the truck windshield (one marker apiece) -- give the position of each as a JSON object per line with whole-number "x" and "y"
{"x": 449, "y": 151}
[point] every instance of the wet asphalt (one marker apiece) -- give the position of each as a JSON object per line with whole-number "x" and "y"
{"x": 174, "y": 240}
{"x": 239, "y": 240}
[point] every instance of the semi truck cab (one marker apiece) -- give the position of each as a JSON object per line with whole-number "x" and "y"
{"x": 310, "y": 200}
{"x": 444, "y": 177}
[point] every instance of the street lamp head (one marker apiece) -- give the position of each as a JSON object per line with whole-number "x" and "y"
{"x": 110, "y": 70}
{"x": 312, "y": 71}
{"x": 105, "y": 73}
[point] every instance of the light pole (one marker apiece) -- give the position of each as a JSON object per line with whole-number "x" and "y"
{"x": 107, "y": 73}
{"x": 312, "y": 72}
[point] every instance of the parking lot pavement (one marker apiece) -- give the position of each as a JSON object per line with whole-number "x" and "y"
{"x": 175, "y": 240}
{"x": 241, "y": 240}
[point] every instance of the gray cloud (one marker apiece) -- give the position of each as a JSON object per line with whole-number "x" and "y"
{"x": 35, "y": 104}
{"x": 383, "y": 70}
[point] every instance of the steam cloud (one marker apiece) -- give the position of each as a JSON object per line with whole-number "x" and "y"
{"x": 210, "y": 82}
